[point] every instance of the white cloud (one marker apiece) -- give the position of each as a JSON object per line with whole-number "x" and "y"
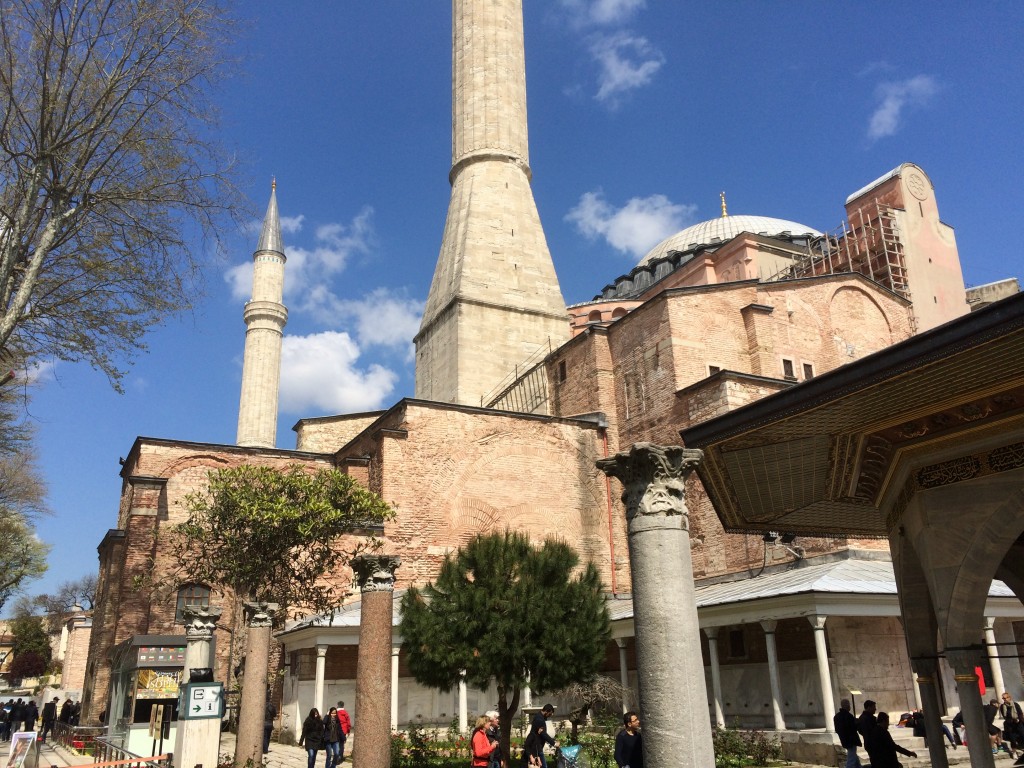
{"x": 636, "y": 227}
{"x": 626, "y": 61}
{"x": 319, "y": 372}
{"x": 382, "y": 318}
{"x": 308, "y": 268}
{"x": 601, "y": 12}
{"x": 894, "y": 98}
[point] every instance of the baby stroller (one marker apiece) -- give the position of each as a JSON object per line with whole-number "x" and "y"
{"x": 569, "y": 757}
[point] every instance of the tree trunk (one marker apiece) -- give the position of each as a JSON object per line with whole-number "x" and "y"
{"x": 506, "y": 709}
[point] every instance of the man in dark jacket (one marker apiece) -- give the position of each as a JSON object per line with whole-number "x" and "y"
{"x": 541, "y": 720}
{"x": 880, "y": 746}
{"x": 846, "y": 730}
{"x": 49, "y": 717}
{"x": 866, "y": 721}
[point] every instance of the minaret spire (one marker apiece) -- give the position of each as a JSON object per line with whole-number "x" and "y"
{"x": 495, "y": 298}
{"x": 265, "y": 317}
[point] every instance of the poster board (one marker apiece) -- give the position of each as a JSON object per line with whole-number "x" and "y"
{"x": 21, "y": 745}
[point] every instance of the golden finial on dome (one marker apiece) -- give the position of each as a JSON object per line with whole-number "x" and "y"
{"x": 724, "y": 212}
{"x": 273, "y": 183}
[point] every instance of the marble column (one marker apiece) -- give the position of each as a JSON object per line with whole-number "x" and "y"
{"x": 396, "y": 650}
{"x": 623, "y": 672}
{"x": 964, "y": 664}
{"x": 463, "y": 704}
{"x": 934, "y": 739}
{"x": 993, "y": 655}
{"x": 773, "y": 673}
{"x": 199, "y": 626}
{"x": 828, "y": 704}
{"x": 259, "y": 618}
{"x": 673, "y": 698}
{"x": 376, "y": 577}
{"x": 318, "y": 679}
{"x": 716, "y": 674}
{"x": 197, "y": 742}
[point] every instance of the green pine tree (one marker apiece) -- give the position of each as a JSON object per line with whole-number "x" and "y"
{"x": 504, "y": 610}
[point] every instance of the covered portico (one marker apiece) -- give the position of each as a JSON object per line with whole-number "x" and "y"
{"x": 921, "y": 443}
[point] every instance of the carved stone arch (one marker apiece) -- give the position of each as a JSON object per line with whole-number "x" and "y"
{"x": 859, "y": 323}
{"x": 967, "y": 557}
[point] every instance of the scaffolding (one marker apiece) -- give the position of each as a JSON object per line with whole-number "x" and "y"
{"x": 869, "y": 244}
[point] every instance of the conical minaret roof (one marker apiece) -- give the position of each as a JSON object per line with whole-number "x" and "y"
{"x": 270, "y": 235}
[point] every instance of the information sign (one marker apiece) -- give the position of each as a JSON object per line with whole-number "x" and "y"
{"x": 201, "y": 701}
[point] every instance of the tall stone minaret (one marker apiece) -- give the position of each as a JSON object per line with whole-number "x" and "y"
{"x": 265, "y": 317}
{"x": 495, "y": 299}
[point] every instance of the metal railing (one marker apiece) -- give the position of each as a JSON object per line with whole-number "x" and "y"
{"x": 77, "y": 738}
{"x": 107, "y": 752}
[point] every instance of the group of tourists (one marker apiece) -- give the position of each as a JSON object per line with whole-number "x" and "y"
{"x": 870, "y": 730}
{"x": 485, "y": 741}
{"x": 326, "y": 733}
{"x": 20, "y": 715}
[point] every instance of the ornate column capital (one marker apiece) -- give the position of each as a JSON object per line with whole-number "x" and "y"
{"x": 653, "y": 478}
{"x": 711, "y": 632}
{"x": 200, "y": 622}
{"x": 259, "y": 614}
{"x": 963, "y": 662}
{"x": 817, "y": 622}
{"x": 376, "y": 573}
{"x": 769, "y": 626}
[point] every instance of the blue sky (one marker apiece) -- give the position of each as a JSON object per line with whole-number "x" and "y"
{"x": 640, "y": 114}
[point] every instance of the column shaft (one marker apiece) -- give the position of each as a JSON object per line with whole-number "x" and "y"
{"x": 824, "y": 676}
{"x": 993, "y": 654}
{"x": 716, "y": 674}
{"x": 773, "y": 674}
{"x": 623, "y": 672}
{"x": 318, "y": 680}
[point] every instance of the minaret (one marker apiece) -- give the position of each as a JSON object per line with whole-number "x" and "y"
{"x": 495, "y": 300}
{"x": 265, "y": 317}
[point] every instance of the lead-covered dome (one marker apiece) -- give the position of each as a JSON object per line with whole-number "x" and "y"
{"x": 725, "y": 228}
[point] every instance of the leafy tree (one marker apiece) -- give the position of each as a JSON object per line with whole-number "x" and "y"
{"x": 270, "y": 535}
{"x": 27, "y": 664}
{"x": 107, "y": 168}
{"x": 22, "y": 555}
{"x": 58, "y": 606}
{"x": 502, "y": 609}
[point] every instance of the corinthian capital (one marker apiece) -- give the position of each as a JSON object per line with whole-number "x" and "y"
{"x": 376, "y": 573}
{"x": 200, "y": 622}
{"x": 260, "y": 614}
{"x": 653, "y": 477}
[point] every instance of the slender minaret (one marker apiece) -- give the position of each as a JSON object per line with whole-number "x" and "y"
{"x": 495, "y": 300}
{"x": 265, "y": 316}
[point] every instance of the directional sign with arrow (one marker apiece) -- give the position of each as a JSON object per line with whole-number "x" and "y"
{"x": 201, "y": 701}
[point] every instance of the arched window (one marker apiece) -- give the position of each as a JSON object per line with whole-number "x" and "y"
{"x": 190, "y": 596}
{"x": 594, "y": 317}
{"x": 618, "y": 312}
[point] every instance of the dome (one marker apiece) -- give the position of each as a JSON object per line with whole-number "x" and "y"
{"x": 722, "y": 230}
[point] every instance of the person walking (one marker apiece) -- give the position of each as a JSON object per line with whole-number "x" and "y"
{"x": 541, "y": 719}
{"x": 880, "y": 746}
{"x": 312, "y": 736}
{"x": 49, "y": 717}
{"x": 846, "y": 729}
{"x": 346, "y": 728}
{"x": 482, "y": 747}
{"x": 867, "y": 720}
{"x": 333, "y": 738}
{"x": 269, "y": 713}
{"x": 31, "y": 715}
{"x": 533, "y": 747}
{"x": 629, "y": 747}
{"x": 65, "y": 711}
